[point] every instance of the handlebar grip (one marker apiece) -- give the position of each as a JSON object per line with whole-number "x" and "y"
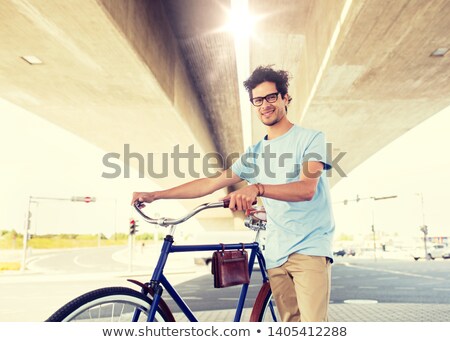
{"x": 226, "y": 203}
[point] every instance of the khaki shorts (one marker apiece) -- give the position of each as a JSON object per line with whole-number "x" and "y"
{"x": 301, "y": 288}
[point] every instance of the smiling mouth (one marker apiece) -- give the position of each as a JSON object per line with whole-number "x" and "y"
{"x": 268, "y": 113}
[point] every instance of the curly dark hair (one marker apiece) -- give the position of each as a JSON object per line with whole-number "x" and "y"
{"x": 268, "y": 74}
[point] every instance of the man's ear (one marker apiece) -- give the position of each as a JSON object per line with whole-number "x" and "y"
{"x": 286, "y": 101}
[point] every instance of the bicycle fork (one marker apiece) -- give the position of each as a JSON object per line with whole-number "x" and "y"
{"x": 155, "y": 282}
{"x": 154, "y": 288}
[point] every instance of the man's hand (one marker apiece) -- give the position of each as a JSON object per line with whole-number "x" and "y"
{"x": 143, "y": 197}
{"x": 242, "y": 199}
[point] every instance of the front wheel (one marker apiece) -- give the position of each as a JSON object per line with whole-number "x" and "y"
{"x": 264, "y": 309}
{"x": 109, "y": 304}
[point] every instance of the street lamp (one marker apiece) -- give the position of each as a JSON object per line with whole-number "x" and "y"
{"x": 373, "y": 220}
{"x": 373, "y": 199}
{"x": 34, "y": 199}
{"x": 423, "y": 228}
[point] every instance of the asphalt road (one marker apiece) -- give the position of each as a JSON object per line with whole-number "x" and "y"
{"x": 58, "y": 277}
{"x": 391, "y": 281}
{"x": 79, "y": 260}
{"x": 384, "y": 281}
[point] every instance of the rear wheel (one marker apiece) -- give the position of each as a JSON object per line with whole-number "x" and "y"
{"x": 110, "y": 304}
{"x": 264, "y": 309}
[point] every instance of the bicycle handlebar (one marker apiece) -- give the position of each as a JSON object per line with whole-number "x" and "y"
{"x": 165, "y": 222}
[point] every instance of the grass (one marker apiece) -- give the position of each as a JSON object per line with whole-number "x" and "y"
{"x": 11, "y": 240}
{"x": 61, "y": 241}
{"x": 9, "y": 266}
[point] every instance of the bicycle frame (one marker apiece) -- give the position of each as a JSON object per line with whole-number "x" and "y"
{"x": 159, "y": 281}
{"x": 114, "y": 303}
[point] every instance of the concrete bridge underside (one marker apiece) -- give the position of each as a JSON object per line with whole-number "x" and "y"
{"x": 157, "y": 74}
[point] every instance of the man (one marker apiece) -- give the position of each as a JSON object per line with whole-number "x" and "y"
{"x": 285, "y": 170}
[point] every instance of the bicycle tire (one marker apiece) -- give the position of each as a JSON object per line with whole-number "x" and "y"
{"x": 264, "y": 309}
{"x": 109, "y": 304}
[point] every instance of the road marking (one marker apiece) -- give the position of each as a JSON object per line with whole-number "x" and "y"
{"x": 441, "y": 289}
{"x": 35, "y": 260}
{"x": 192, "y": 298}
{"x": 387, "y": 278}
{"x": 254, "y": 285}
{"x": 404, "y": 288}
{"x": 367, "y": 287}
{"x": 360, "y": 301}
{"x": 76, "y": 262}
{"x": 393, "y": 272}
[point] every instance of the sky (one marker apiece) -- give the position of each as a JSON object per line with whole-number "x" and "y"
{"x": 413, "y": 168}
{"x": 40, "y": 159}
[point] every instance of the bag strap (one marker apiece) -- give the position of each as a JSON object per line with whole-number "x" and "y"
{"x": 223, "y": 248}
{"x": 243, "y": 248}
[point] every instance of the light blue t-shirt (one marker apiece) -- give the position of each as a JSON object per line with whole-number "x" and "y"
{"x": 292, "y": 227}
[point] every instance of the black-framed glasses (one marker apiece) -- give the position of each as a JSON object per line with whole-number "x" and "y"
{"x": 258, "y": 101}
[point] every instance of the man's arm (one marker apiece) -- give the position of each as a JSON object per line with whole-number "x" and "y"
{"x": 194, "y": 189}
{"x": 301, "y": 190}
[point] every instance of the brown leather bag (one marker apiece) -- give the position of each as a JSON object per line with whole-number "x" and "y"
{"x": 230, "y": 267}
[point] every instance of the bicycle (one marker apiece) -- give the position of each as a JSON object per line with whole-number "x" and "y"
{"x": 123, "y": 304}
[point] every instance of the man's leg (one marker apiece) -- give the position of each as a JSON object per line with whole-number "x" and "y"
{"x": 312, "y": 281}
{"x": 283, "y": 291}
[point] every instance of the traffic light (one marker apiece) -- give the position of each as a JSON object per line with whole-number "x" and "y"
{"x": 424, "y": 229}
{"x": 133, "y": 226}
